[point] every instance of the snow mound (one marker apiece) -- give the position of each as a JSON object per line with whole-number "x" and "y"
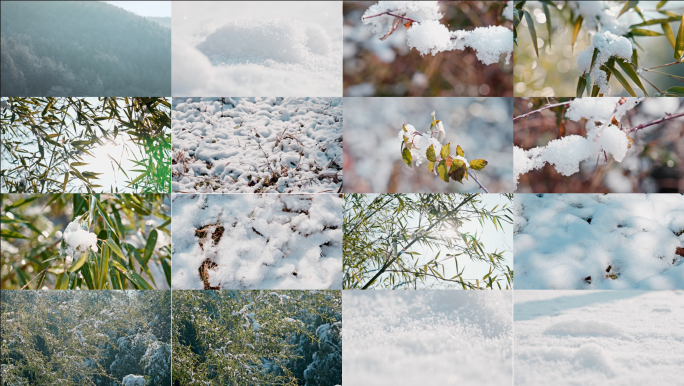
{"x": 583, "y": 328}
{"x": 267, "y": 241}
{"x": 488, "y": 42}
{"x": 133, "y": 380}
{"x": 262, "y": 40}
{"x": 591, "y": 241}
{"x": 78, "y": 239}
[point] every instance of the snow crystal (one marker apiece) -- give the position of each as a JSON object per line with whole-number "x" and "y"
{"x": 133, "y": 380}
{"x": 429, "y": 37}
{"x": 488, "y": 42}
{"x": 590, "y": 241}
{"x": 77, "y": 238}
{"x": 608, "y": 46}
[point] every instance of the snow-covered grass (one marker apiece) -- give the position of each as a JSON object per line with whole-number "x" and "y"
{"x": 599, "y": 338}
{"x": 427, "y": 338}
{"x": 289, "y": 48}
{"x": 257, "y": 241}
{"x": 599, "y": 241}
{"x": 253, "y": 145}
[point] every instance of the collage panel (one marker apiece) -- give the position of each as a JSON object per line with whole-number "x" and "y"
{"x": 257, "y": 337}
{"x": 599, "y": 241}
{"x": 428, "y": 241}
{"x": 428, "y": 48}
{"x": 106, "y": 338}
{"x": 598, "y": 48}
{"x": 599, "y": 145}
{"x": 85, "y": 241}
{"x": 428, "y": 145}
{"x": 85, "y": 48}
{"x": 105, "y": 144}
{"x": 255, "y": 48}
{"x": 257, "y": 241}
{"x": 257, "y": 145}
{"x": 601, "y": 337}
{"x": 428, "y": 337}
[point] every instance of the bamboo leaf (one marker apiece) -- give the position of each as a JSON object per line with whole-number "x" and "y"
{"x": 644, "y": 32}
{"x": 115, "y": 248}
{"x": 587, "y": 78}
{"x": 629, "y": 70}
{"x": 548, "y": 20}
{"x": 78, "y": 264}
{"x": 678, "y": 91}
{"x": 628, "y": 5}
{"x": 622, "y": 80}
{"x": 581, "y": 83}
{"x": 660, "y": 4}
{"x": 679, "y": 44}
{"x": 575, "y": 31}
{"x": 669, "y": 34}
{"x": 533, "y": 32}
{"x": 149, "y": 247}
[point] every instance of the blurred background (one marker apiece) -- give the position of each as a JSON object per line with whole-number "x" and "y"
{"x": 654, "y": 163}
{"x": 389, "y": 68}
{"x": 372, "y": 149}
{"x": 554, "y": 72}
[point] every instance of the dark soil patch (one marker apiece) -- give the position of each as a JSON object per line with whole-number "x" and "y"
{"x": 204, "y": 274}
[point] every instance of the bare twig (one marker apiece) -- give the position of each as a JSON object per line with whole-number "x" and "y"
{"x": 654, "y": 122}
{"x": 662, "y": 65}
{"x": 478, "y": 182}
{"x": 652, "y": 85}
{"x": 543, "y": 108}
{"x": 391, "y": 14}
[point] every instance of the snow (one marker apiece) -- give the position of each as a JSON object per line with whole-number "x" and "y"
{"x": 133, "y": 380}
{"x": 591, "y": 241}
{"x": 427, "y": 337}
{"x": 567, "y": 152}
{"x": 247, "y": 145}
{"x": 268, "y": 241}
{"x": 609, "y": 46}
{"x": 78, "y": 239}
{"x": 265, "y": 48}
{"x": 508, "y": 11}
{"x": 603, "y": 13}
{"x": 429, "y": 36}
{"x": 600, "y": 337}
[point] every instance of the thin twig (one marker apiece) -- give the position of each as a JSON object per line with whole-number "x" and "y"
{"x": 652, "y": 85}
{"x": 655, "y": 122}
{"x": 679, "y": 78}
{"x": 543, "y": 108}
{"x": 391, "y": 14}
{"x": 478, "y": 182}
{"x": 662, "y": 65}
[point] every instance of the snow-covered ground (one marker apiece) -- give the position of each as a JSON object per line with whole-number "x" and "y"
{"x": 257, "y": 241}
{"x": 427, "y": 338}
{"x": 257, "y": 145}
{"x": 599, "y": 338}
{"x": 599, "y": 241}
{"x": 248, "y": 48}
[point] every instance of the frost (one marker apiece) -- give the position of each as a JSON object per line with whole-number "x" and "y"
{"x": 567, "y": 152}
{"x": 608, "y": 46}
{"x": 429, "y": 36}
{"x": 77, "y": 238}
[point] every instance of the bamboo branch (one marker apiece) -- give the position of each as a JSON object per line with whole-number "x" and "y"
{"x": 655, "y": 122}
{"x": 543, "y": 108}
{"x": 662, "y": 65}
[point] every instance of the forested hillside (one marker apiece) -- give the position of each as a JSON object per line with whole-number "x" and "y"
{"x": 79, "y": 48}
{"x": 164, "y": 21}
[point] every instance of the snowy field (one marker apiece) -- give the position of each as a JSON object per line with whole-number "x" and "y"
{"x": 257, "y": 145}
{"x": 599, "y": 338}
{"x": 596, "y": 241}
{"x": 257, "y": 241}
{"x": 427, "y": 338}
{"x": 248, "y": 48}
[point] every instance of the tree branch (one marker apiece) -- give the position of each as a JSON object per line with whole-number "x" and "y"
{"x": 543, "y": 108}
{"x": 655, "y": 122}
{"x": 391, "y": 14}
{"x": 478, "y": 182}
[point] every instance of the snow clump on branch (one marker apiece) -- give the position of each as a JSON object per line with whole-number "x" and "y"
{"x": 608, "y": 46}
{"x": 78, "y": 239}
{"x": 426, "y": 34}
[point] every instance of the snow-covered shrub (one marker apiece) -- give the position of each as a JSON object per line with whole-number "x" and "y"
{"x": 157, "y": 363}
{"x": 606, "y": 46}
{"x": 417, "y": 147}
{"x": 427, "y": 35}
{"x": 133, "y": 380}
{"x": 131, "y": 349}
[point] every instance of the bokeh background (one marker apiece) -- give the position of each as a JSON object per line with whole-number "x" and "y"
{"x": 654, "y": 164}
{"x": 554, "y": 72}
{"x": 389, "y": 68}
{"x": 372, "y": 157}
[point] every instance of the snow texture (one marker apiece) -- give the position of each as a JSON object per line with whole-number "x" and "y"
{"x": 427, "y": 337}
{"x": 603, "y": 13}
{"x": 608, "y": 46}
{"x": 508, "y": 11}
{"x": 248, "y": 145}
{"x": 429, "y": 36}
{"x": 133, "y": 380}
{"x": 78, "y": 239}
{"x": 567, "y": 152}
{"x": 264, "y": 49}
{"x": 591, "y": 241}
{"x": 267, "y": 241}
{"x": 599, "y": 338}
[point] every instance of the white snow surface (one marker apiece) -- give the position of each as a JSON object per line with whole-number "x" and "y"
{"x": 599, "y": 338}
{"x": 427, "y": 338}
{"x": 568, "y": 152}
{"x": 609, "y": 46}
{"x": 133, "y": 380}
{"x": 257, "y": 48}
{"x": 429, "y": 36}
{"x": 78, "y": 239}
{"x": 267, "y": 238}
{"x": 238, "y": 149}
{"x": 560, "y": 240}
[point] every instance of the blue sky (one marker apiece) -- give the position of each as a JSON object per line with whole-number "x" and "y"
{"x": 145, "y": 8}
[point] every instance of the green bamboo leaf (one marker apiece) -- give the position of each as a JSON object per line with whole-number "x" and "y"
{"x": 660, "y": 4}
{"x": 444, "y": 153}
{"x": 669, "y": 34}
{"x": 137, "y": 279}
{"x": 629, "y": 70}
{"x": 149, "y": 247}
{"x": 679, "y": 44}
{"x": 581, "y": 85}
{"x": 22, "y": 202}
{"x": 677, "y": 91}
{"x": 106, "y": 218}
{"x": 533, "y": 32}
{"x": 575, "y": 31}
{"x": 628, "y": 5}
{"x": 115, "y": 248}
{"x": 548, "y": 19}
{"x": 593, "y": 58}
{"x": 78, "y": 264}
{"x": 587, "y": 78}
{"x": 644, "y": 32}
{"x": 430, "y": 154}
{"x": 622, "y": 80}
{"x": 635, "y": 58}
{"x": 62, "y": 281}
{"x": 8, "y": 234}
{"x": 406, "y": 156}
{"x": 655, "y": 21}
